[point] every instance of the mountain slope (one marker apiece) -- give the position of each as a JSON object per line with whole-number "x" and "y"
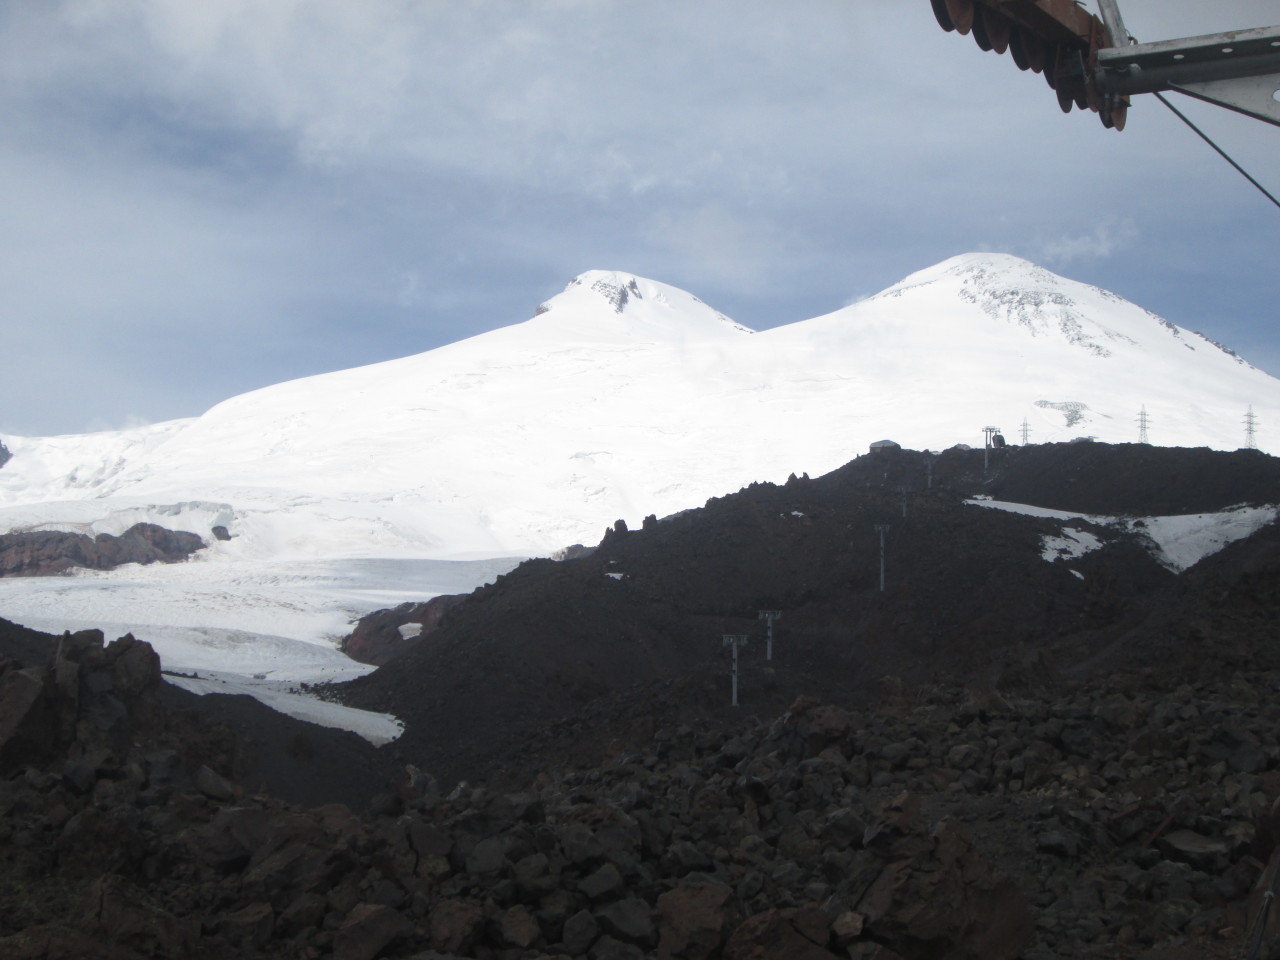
{"x": 971, "y": 596}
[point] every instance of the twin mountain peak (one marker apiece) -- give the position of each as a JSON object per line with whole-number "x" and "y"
{"x": 624, "y": 397}
{"x": 1013, "y": 298}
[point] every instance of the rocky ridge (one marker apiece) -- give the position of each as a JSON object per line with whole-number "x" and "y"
{"x": 968, "y": 594}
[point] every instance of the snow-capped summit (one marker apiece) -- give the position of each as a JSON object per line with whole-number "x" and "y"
{"x": 1024, "y": 295}
{"x": 640, "y": 308}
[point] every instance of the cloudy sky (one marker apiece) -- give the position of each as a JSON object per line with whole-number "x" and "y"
{"x": 204, "y": 198}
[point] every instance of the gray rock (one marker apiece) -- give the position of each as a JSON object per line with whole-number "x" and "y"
{"x": 213, "y": 785}
{"x": 580, "y": 845}
{"x": 250, "y": 926}
{"x": 602, "y": 884}
{"x": 580, "y": 931}
{"x": 488, "y": 857}
{"x": 367, "y": 930}
{"x": 26, "y": 719}
{"x": 685, "y": 856}
{"x": 630, "y": 919}
{"x": 1187, "y": 846}
{"x": 519, "y": 928}
{"x": 607, "y": 948}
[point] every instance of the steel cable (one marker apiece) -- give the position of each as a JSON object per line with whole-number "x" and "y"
{"x": 1205, "y": 137}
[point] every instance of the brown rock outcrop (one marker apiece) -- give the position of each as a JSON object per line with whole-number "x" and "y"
{"x": 385, "y": 634}
{"x": 44, "y": 552}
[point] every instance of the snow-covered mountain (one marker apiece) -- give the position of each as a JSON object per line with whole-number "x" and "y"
{"x": 623, "y": 397}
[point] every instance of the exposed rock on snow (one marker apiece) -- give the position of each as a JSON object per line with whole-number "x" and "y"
{"x": 1072, "y": 411}
{"x": 42, "y": 553}
{"x": 616, "y": 293}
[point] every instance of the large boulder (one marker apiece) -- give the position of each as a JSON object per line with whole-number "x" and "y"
{"x": 28, "y": 727}
{"x": 937, "y": 890}
{"x": 367, "y": 930}
{"x": 693, "y": 919}
{"x": 780, "y": 934}
{"x": 86, "y": 693}
{"x": 122, "y": 914}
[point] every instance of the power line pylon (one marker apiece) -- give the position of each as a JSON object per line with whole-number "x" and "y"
{"x": 1144, "y": 421}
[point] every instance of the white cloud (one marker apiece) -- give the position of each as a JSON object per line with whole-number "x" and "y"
{"x": 714, "y": 242}
{"x": 409, "y": 289}
{"x": 313, "y": 170}
{"x": 1106, "y": 239}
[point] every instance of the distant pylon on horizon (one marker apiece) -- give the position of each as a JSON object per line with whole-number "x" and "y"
{"x": 1144, "y": 421}
{"x": 1250, "y": 430}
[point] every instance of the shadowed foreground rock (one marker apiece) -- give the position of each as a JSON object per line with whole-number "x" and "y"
{"x": 954, "y": 826}
{"x": 1001, "y": 757}
{"x": 136, "y": 848}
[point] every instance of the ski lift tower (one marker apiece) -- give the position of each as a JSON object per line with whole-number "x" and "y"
{"x": 990, "y": 434}
{"x": 735, "y": 641}
{"x": 769, "y": 616}
{"x": 882, "y": 529}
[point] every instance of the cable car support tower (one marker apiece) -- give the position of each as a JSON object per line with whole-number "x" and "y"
{"x": 1091, "y": 62}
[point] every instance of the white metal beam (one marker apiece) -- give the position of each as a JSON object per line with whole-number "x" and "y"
{"x": 1239, "y": 70}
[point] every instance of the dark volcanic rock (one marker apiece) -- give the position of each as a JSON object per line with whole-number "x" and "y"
{"x": 41, "y": 553}
{"x": 1134, "y": 479}
{"x": 911, "y": 830}
{"x": 115, "y": 692}
{"x": 694, "y": 919}
{"x": 949, "y": 769}
{"x": 28, "y": 727}
{"x": 967, "y": 593}
{"x": 124, "y": 915}
{"x": 5, "y": 455}
{"x": 367, "y": 930}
